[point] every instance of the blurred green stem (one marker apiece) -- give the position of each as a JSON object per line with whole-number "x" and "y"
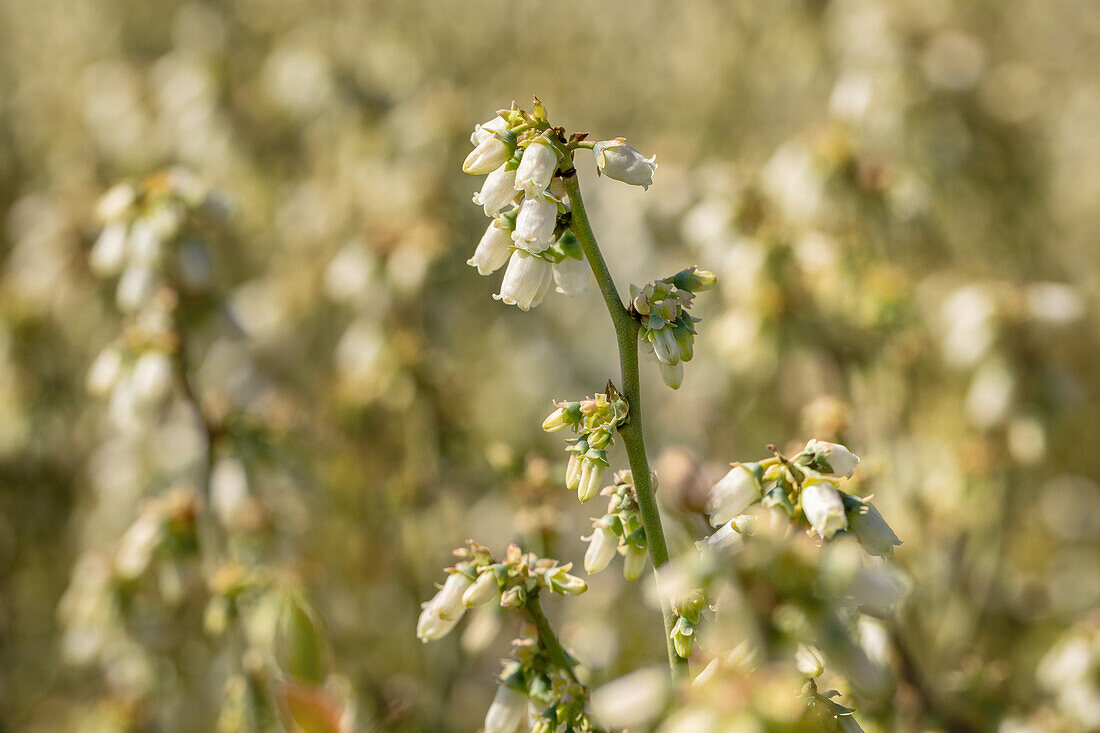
{"x": 547, "y": 636}
{"x": 626, "y": 331}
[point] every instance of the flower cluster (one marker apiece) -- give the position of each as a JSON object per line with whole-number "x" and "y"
{"x": 619, "y": 531}
{"x": 524, "y": 196}
{"x": 688, "y": 612}
{"x": 478, "y": 578}
{"x": 667, "y": 328}
{"x": 806, "y": 487}
{"x": 538, "y": 691}
{"x": 148, "y": 242}
{"x": 595, "y": 418}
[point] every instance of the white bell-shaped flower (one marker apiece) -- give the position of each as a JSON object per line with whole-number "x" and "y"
{"x": 493, "y": 249}
{"x": 602, "y": 545}
{"x": 823, "y": 507}
{"x": 535, "y": 223}
{"x": 536, "y": 167}
{"x": 615, "y": 159}
{"x": 732, "y": 495}
{"x": 525, "y": 281}
{"x": 498, "y": 191}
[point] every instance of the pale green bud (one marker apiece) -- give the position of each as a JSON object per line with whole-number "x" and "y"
{"x": 634, "y": 562}
{"x": 483, "y": 590}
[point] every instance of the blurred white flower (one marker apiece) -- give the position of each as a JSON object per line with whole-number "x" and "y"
{"x": 136, "y": 547}
{"x": 989, "y": 398}
{"x": 506, "y": 711}
{"x": 967, "y": 318}
{"x": 809, "y": 660}
{"x": 152, "y": 377}
{"x": 108, "y": 254}
{"x": 104, "y": 372}
{"x": 228, "y": 489}
{"x": 823, "y": 507}
{"x": 1054, "y": 304}
{"x": 135, "y": 288}
{"x": 631, "y": 701}
{"x": 841, "y": 460}
{"x": 733, "y": 494}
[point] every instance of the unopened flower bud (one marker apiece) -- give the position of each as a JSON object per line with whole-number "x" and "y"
{"x": 567, "y": 584}
{"x": 694, "y": 280}
{"x": 672, "y": 374}
{"x": 493, "y": 249}
{"x": 809, "y": 660}
{"x": 615, "y": 159}
{"x": 872, "y": 531}
{"x": 634, "y": 562}
{"x": 506, "y": 712}
{"x": 591, "y": 475}
{"x": 525, "y": 281}
{"x": 823, "y": 507}
{"x": 602, "y": 545}
{"x": 683, "y": 637}
{"x": 135, "y": 288}
{"x": 115, "y": 202}
{"x": 108, "y": 254}
{"x": 491, "y": 153}
{"x": 733, "y": 494}
{"x": 498, "y": 191}
{"x": 152, "y": 377}
{"x": 487, "y": 129}
{"x": 535, "y": 224}
{"x": 514, "y": 597}
{"x": 104, "y": 372}
{"x": 483, "y": 590}
{"x": 536, "y": 167}
{"x": 664, "y": 345}
{"x": 840, "y": 460}
{"x": 573, "y": 472}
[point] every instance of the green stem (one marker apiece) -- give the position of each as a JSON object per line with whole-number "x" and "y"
{"x": 547, "y": 636}
{"x": 626, "y": 332}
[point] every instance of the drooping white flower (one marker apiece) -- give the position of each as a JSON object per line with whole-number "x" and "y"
{"x": 809, "y": 660}
{"x": 136, "y": 547}
{"x": 491, "y": 153}
{"x": 841, "y": 460}
{"x": 672, "y": 374}
{"x": 108, "y": 254}
{"x": 432, "y": 626}
{"x": 822, "y": 505}
{"x": 573, "y": 472}
{"x": 602, "y": 545}
{"x": 664, "y": 345}
{"x": 535, "y": 223}
{"x": 726, "y": 538}
{"x": 506, "y": 712}
{"x": 444, "y": 610}
{"x": 498, "y": 191}
{"x": 536, "y": 167}
{"x": 135, "y": 287}
{"x": 104, "y": 372}
{"x": 152, "y": 377}
{"x": 228, "y": 489}
{"x": 615, "y": 159}
{"x": 632, "y": 701}
{"x": 872, "y": 531}
{"x": 634, "y": 562}
{"x": 968, "y": 318}
{"x": 591, "y": 475}
{"x": 487, "y": 129}
{"x": 571, "y": 276}
{"x": 145, "y": 243}
{"x": 493, "y": 249}
{"x": 733, "y": 494}
{"x": 525, "y": 281}
{"x": 115, "y": 202}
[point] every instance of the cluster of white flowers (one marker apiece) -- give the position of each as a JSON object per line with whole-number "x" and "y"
{"x": 619, "y": 531}
{"x": 526, "y": 200}
{"x": 595, "y": 418}
{"x": 668, "y": 329}
{"x": 146, "y": 243}
{"x": 805, "y": 486}
{"x": 479, "y": 578}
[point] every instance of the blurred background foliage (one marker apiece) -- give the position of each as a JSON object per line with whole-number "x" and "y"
{"x": 898, "y": 198}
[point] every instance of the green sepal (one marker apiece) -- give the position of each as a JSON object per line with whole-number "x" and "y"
{"x": 777, "y": 497}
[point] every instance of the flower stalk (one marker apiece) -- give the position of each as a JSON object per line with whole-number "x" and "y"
{"x": 626, "y": 333}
